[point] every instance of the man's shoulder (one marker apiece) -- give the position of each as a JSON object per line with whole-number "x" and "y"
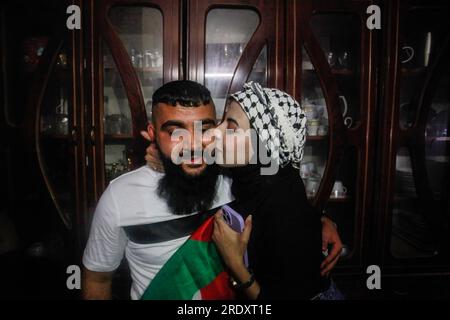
{"x": 136, "y": 198}
{"x": 140, "y": 177}
{"x": 134, "y": 187}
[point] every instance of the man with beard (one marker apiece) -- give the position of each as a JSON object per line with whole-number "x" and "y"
{"x": 148, "y": 215}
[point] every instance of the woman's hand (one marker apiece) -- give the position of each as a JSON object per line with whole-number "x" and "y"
{"x": 152, "y": 154}
{"x": 231, "y": 245}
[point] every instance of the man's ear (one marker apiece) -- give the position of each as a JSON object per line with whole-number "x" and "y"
{"x": 151, "y": 132}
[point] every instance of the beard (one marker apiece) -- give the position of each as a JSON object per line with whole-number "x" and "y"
{"x": 186, "y": 194}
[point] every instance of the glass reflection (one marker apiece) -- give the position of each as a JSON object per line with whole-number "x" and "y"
{"x": 227, "y": 33}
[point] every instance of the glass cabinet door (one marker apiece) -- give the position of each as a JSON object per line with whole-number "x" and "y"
{"x": 227, "y": 34}
{"x": 231, "y": 43}
{"x": 339, "y": 38}
{"x": 316, "y": 149}
{"x": 420, "y": 215}
{"x": 117, "y": 122}
{"x": 140, "y": 30}
{"x": 55, "y": 145}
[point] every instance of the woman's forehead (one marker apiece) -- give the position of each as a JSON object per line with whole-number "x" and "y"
{"x": 233, "y": 106}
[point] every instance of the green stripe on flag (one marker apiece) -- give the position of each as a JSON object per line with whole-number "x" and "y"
{"x": 193, "y": 266}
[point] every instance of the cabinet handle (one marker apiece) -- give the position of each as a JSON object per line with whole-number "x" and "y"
{"x": 74, "y": 136}
{"x": 92, "y": 136}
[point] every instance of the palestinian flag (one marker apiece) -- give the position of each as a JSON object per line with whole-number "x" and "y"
{"x": 195, "y": 271}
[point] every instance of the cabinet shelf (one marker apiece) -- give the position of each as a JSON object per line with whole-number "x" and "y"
{"x": 439, "y": 139}
{"x": 54, "y": 136}
{"x": 343, "y": 72}
{"x": 443, "y": 159}
{"x": 402, "y": 198}
{"x": 339, "y": 200}
{"x": 156, "y": 71}
{"x": 118, "y": 138}
{"x": 335, "y": 200}
{"x": 259, "y": 70}
{"x": 413, "y": 72}
{"x": 338, "y": 72}
{"x": 316, "y": 138}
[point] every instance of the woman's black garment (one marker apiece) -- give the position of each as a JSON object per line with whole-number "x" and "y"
{"x": 285, "y": 247}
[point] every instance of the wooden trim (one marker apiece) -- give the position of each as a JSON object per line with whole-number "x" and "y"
{"x": 103, "y": 31}
{"x": 78, "y": 129}
{"x": 39, "y": 87}
{"x": 130, "y": 80}
{"x": 386, "y": 150}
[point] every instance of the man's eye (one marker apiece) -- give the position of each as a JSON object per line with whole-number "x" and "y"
{"x": 170, "y": 130}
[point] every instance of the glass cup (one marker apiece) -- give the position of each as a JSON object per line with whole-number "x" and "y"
{"x": 61, "y": 124}
{"x": 149, "y": 59}
{"x": 331, "y": 58}
{"x": 116, "y": 124}
{"x": 339, "y": 190}
{"x": 312, "y": 185}
{"x": 344, "y": 60}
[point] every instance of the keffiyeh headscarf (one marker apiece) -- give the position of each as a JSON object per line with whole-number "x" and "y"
{"x": 279, "y": 120}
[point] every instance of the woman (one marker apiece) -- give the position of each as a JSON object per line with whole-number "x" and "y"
{"x": 282, "y": 231}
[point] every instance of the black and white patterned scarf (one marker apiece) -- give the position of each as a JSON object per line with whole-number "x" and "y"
{"x": 279, "y": 120}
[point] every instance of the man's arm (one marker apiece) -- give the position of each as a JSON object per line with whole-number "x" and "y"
{"x": 104, "y": 249}
{"x": 96, "y": 285}
{"x": 330, "y": 237}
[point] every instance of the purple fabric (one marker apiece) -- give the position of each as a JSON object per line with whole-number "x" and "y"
{"x": 236, "y": 222}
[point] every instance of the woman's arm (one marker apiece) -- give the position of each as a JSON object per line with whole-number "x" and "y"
{"x": 152, "y": 154}
{"x": 242, "y": 275}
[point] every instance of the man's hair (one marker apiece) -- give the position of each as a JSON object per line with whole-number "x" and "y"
{"x": 183, "y": 92}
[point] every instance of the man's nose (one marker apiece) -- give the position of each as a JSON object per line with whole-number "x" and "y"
{"x": 194, "y": 143}
{"x": 196, "y": 140}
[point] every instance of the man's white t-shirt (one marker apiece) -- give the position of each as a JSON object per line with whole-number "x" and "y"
{"x": 132, "y": 199}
